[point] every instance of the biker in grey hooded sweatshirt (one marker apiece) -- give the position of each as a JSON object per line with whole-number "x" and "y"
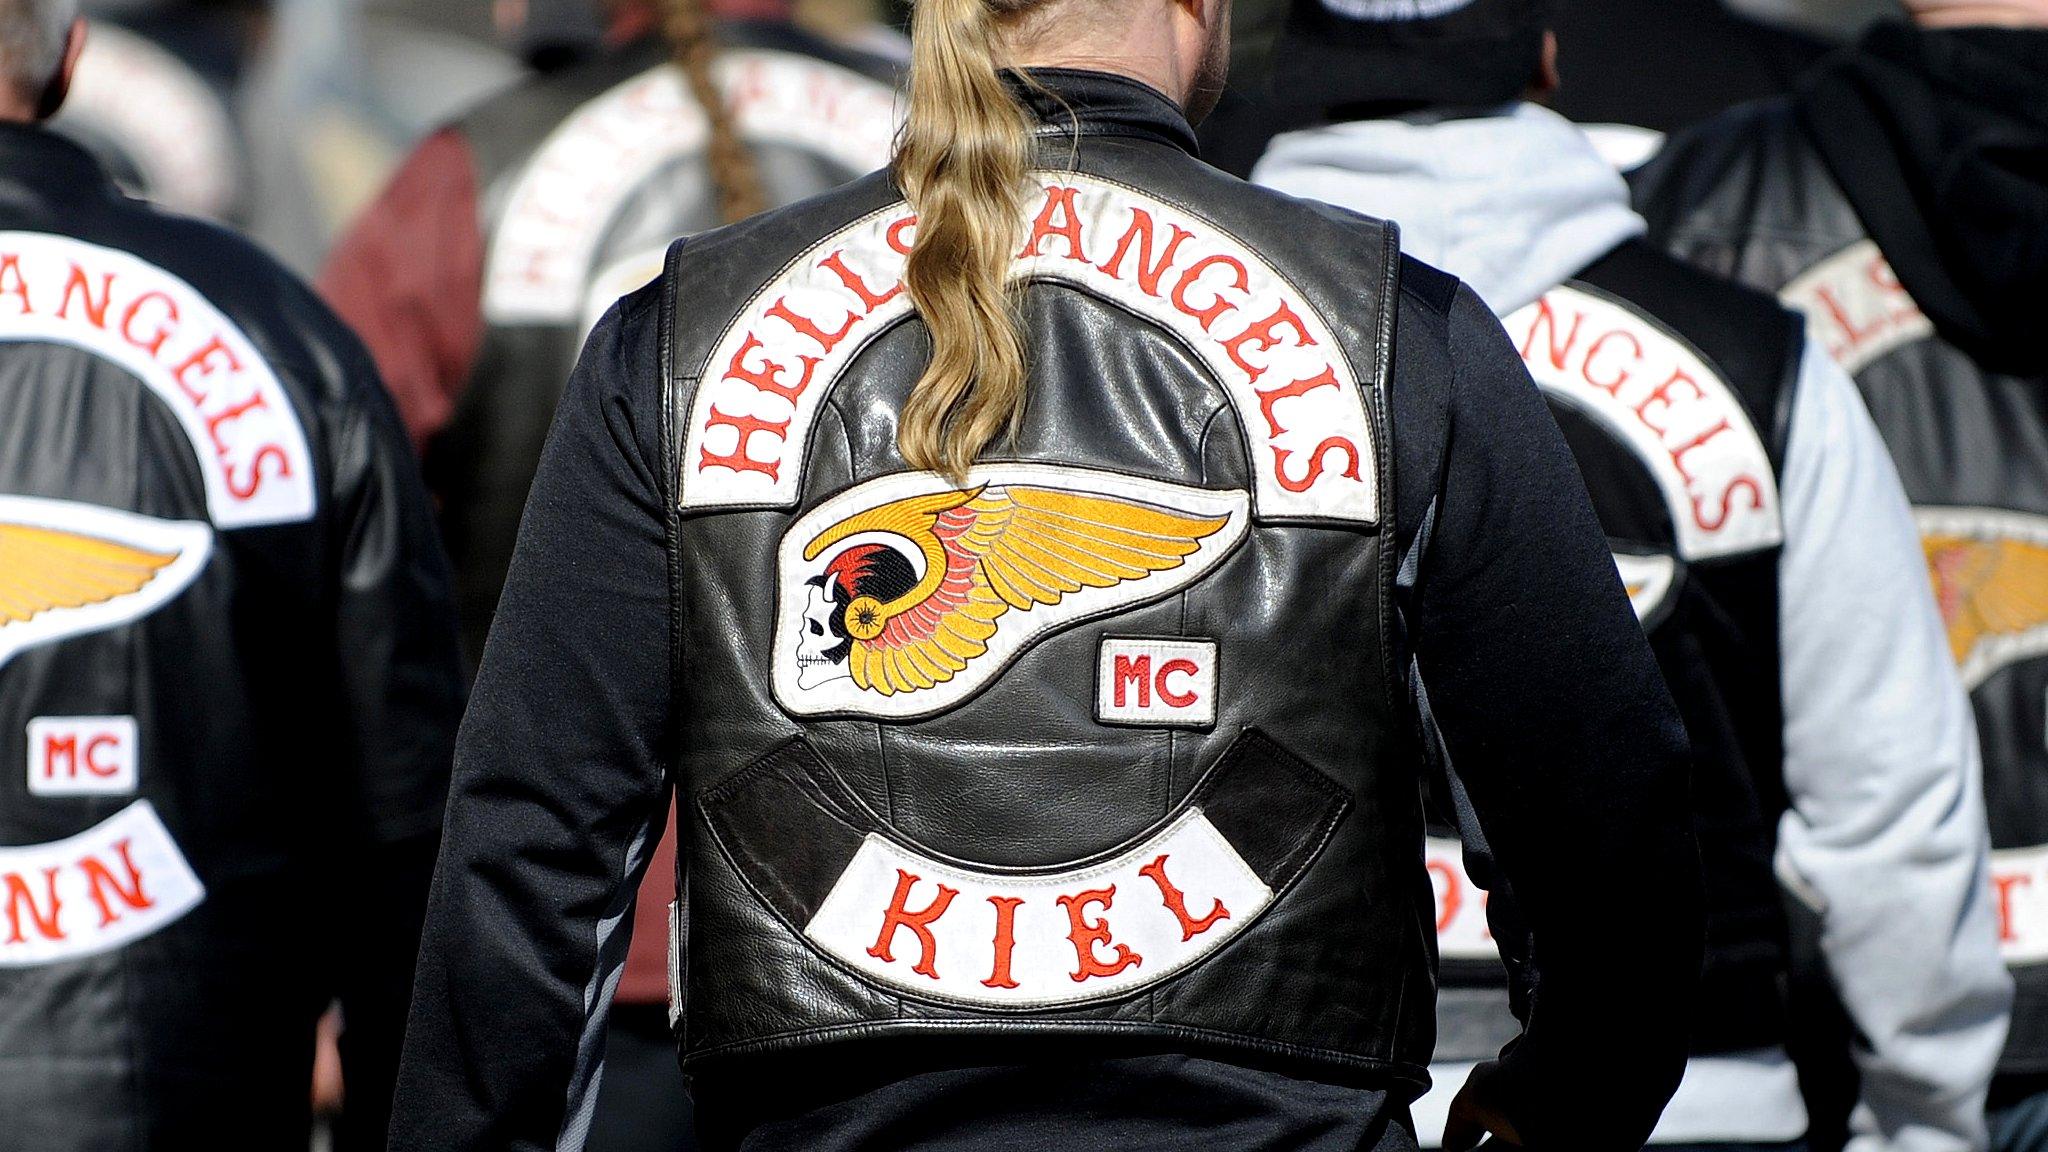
{"x": 1833, "y": 745}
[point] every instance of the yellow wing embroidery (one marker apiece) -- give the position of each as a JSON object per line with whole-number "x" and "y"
{"x": 992, "y": 550}
{"x": 1987, "y": 588}
{"x": 45, "y": 569}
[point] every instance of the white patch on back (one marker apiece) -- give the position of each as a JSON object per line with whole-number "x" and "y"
{"x": 1855, "y": 306}
{"x": 546, "y": 244}
{"x": 111, "y": 885}
{"x": 1310, "y": 441}
{"x": 999, "y": 940}
{"x": 244, "y": 432}
{"x": 1656, "y": 395}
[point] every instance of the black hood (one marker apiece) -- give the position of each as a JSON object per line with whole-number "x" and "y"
{"x": 1940, "y": 140}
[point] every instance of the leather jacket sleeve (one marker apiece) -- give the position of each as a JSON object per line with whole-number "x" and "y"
{"x": 1557, "y": 723}
{"x": 560, "y": 791}
{"x": 408, "y": 277}
{"x": 401, "y": 694}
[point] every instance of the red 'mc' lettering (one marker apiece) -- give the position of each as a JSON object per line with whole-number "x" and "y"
{"x": 1140, "y": 233}
{"x": 900, "y": 916}
{"x": 1177, "y": 902}
{"x": 18, "y": 894}
{"x": 1132, "y": 670}
{"x": 1087, "y": 937}
{"x": 1006, "y": 940}
{"x": 101, "y": 880}
{"x": 80, "y": 286}
{"x": 1059, "y": 201}
{"x": 737, "y": 460}
{"x": 56, "y": 748}
{"x": 1315, "y": 464}
{"x": 93, "y": 764}
{"x": 1176, "y": 699}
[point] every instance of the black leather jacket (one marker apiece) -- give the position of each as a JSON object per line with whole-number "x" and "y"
{"x": 1872, "y": 202}
{"x": 228, "y": 666}
{"x": 1110, "y": 751}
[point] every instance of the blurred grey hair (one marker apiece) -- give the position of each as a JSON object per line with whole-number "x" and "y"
{"x": 32, "y": 34}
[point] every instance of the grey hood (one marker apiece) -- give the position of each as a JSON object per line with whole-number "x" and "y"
{"x": 1512, "y": 203}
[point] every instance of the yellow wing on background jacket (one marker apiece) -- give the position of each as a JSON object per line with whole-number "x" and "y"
{"x": 45, "y": 569}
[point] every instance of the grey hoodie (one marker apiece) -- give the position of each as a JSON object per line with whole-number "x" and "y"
{"x": 1886, "y": 837}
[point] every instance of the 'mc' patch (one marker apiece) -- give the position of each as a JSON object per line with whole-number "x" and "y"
{"x": 81, "y": 756}
{"x": 1308, "y": 436}
{"x": 1156, "y": 682}
{"x": 244, "y": 433}
{"x": 904, "y": 596}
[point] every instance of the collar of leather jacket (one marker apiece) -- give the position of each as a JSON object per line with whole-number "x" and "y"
{"x": 48, "y": 160}
{"x": 1077, "y": 102}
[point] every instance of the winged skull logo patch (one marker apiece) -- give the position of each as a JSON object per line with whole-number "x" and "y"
{"x": 67, "y": 569}
{"x": 1990, "y": 573}
{"x": 904, "y": 596}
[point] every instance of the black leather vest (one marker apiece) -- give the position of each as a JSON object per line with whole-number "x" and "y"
{"x": 585, "y": 176}
{"x": 1104, "y": 742}
{"x": 1672, "y": 388}
{"x": 1971, "y": 447}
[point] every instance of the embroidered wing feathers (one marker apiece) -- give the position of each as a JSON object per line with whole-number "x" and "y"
{"x": 45, "y": 569}
{"x": 1987, "y": 588}
{"x": 1016, "y": 548}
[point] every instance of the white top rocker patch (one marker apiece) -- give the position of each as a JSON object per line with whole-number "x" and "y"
{"x": 1656, "y": 395}
{"x": 906, "y": 595}
{"x": 1310, "y": 440}
{"x": 111, "y": 884}
{"x": 1990, "y": 573}
{"x": 1004, "y": 940}
{"x": 544, "y": 250}
{"x": 67, "y": 569}
{"x": 250, "y": 447}
{"x": 1855, "y": 306}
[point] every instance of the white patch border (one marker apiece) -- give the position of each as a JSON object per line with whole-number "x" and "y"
{"x": 864, "y": 243}
{"x": 282, "y": 497}
{"x": 1612, "y": 416}
{"x": 680, "y": 130}
{"x": 1659, "y": 575}
{"x": 178, "y": 889}
{"x": 124, "y": 783}
{"x": 834, "y": 928}
{"x": 191, "y": 539}
{"x": 2030, "y": 946}
{"x": 1210, "y": 661}
{"x": 1844, "y": 271}
{"x": 1008, "y": 644}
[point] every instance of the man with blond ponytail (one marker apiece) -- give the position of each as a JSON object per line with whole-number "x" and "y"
{"x": 1041, "y": 574}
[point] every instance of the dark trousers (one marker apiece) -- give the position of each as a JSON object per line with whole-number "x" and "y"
{"x": 642, "y": 1105}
